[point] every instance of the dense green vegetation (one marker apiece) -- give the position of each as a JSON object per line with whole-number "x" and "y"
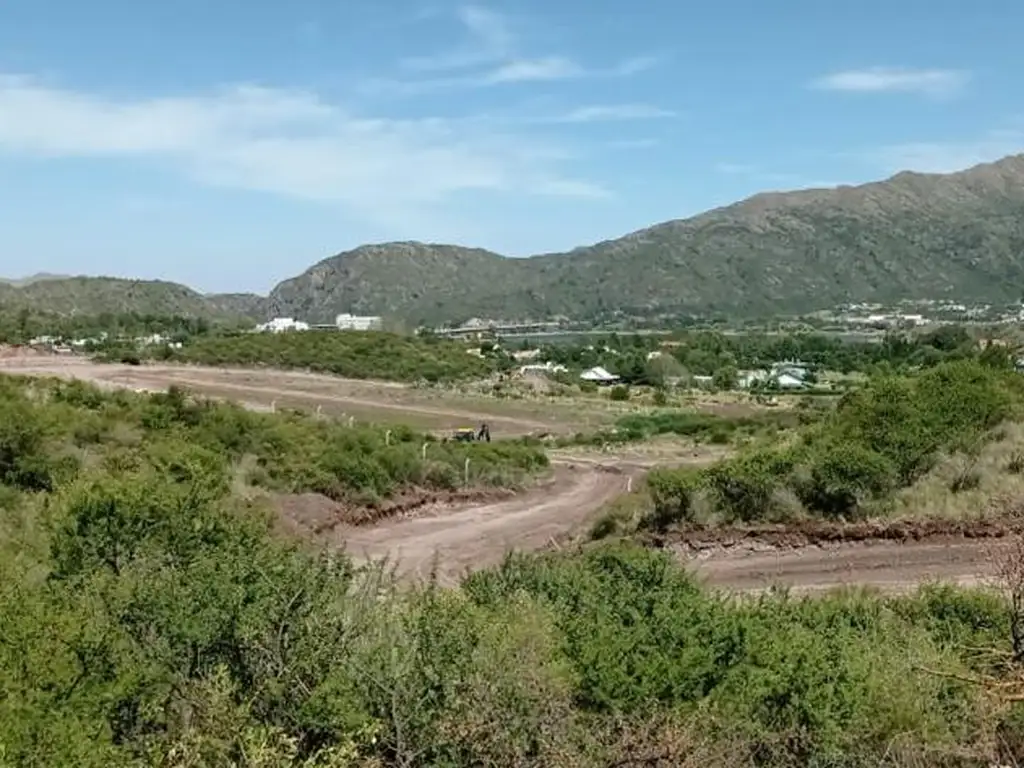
{"x": 51, "y": 430}
{"x": 149, "y": 617}
{"x": 882, "y": 437}
{"x": 353, "y": 354}
{"x": 709, "y": 353}
{"x": 18, "y": 326}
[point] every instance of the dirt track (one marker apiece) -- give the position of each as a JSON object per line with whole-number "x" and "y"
{"x": 475, "y": 536}
{"x": 479, "y": 536}
{"x": 364, "y": 400}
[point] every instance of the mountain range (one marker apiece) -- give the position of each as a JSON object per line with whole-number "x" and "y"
{"x": 914, "y": 235}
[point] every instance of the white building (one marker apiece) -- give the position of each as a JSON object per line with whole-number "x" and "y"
{"x": 347, "y": 322}
{"x": 599, "y": 375}
{"x": 280, "y": 324}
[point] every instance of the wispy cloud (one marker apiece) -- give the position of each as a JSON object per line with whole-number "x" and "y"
{"x": 612, "y": 112}
{"x": 635, "y": 65}
{"x": 930, "y": 82}
{"x": 527, "y": 70}
{"x": 287, "y": 142}
{"x": 490, "y": 40}
{"x": 493, "y": 55}
{"x": 946, "y": 157}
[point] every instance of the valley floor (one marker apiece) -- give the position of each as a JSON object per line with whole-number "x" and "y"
{"x": 450, "y": 539}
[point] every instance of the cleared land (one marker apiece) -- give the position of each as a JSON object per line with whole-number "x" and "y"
{"x": 452, "y": 539}
{"x": 363, "y": 400}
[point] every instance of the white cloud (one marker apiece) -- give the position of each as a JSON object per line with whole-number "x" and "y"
{"x": 613, "y": 112}
{"x": 526, "y": 70}
{"x": 946, "y": 157}
{"x": 493, "y": 56}
{"x": 286, "y": 142}
{"x": 490, "y": 40}
{"x": 930, "y": 82}
{"x": 635, "y": 64}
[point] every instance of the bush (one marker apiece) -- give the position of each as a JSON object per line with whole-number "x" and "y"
{"x": 673, "y": 493}
{"x": 743, "y": 488}
{"x": 619, "y": 393}
{"x": 841, "y": 478}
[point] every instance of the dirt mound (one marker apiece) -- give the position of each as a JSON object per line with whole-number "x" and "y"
{"x": 819, "y": 533}
{"x": 316, "y": 514}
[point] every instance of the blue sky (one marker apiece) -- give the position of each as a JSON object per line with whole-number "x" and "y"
{"x": 231, "y": 144}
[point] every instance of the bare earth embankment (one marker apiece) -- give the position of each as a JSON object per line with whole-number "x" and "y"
{"x": 460, "y": 536}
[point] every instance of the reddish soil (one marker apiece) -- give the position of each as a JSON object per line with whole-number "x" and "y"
{"x": 453, "y": 541}
{"x": 315, "y": 514}
{"x": 820, "y": 533}
{"x": 886, "y": 565}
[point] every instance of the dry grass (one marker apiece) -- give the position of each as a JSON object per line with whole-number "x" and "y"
{"x": 964, "y": 487}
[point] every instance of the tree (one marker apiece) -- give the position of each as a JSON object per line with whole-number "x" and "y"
{"x": 726, "y": 377}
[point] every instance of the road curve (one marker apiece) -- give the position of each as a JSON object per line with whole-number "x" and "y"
{"x": 474, "y": 537}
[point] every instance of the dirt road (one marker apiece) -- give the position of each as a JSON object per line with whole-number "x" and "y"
{"x": 479, "y": 536}
{"x": 890, "y": 566}
{"x": 364, "y": 400}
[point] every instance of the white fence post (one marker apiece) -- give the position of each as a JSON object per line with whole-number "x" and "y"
{"x": 273, "y": 406}
{"x": 319, "y": 411}
{"x": 387, "y": 437}
{"x": 629, "y": 484}
{"x": 465, "y": 473}
{"x": 425, "y": 451}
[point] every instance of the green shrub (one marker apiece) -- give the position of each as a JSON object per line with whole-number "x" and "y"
{"x": 673, "y": 493}
{"x": 743, "y": 488}
{"x": 619, "y": 393}
{"x": 841, "y": 477}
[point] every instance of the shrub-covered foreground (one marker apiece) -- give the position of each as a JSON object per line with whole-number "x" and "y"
{"x": 149, "y": 620}
{"x": 354, "y": 354}
{"x": 148, "y": 617}
{"x": 52, "y": 430}
{"x": 881, "y": 438}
